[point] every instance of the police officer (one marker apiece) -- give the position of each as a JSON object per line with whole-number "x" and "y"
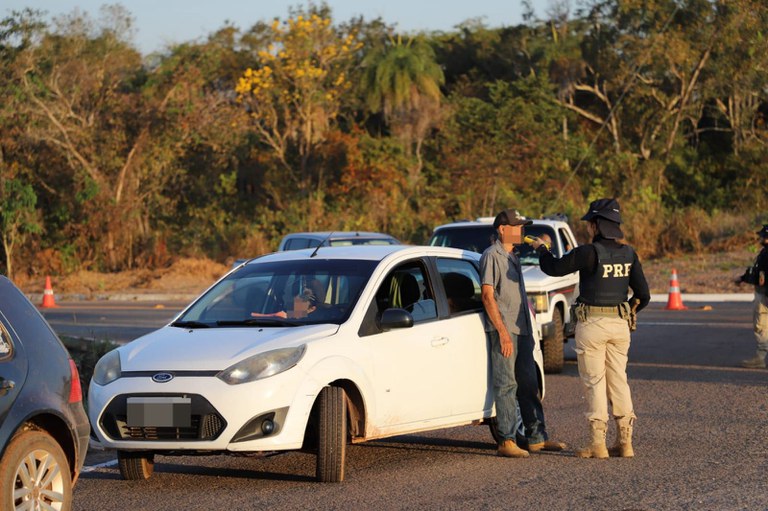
{"x": 607, "y": 269}
{"x": 756, "y": 275}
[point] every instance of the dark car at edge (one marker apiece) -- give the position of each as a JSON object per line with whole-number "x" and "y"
{"x": 43, "y": 426}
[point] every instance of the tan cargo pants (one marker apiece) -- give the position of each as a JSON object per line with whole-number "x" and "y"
{"x": 602, "y": 344}
{"x": 760, "y": 321}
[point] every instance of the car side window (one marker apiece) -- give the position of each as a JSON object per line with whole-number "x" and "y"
{"x": 567, "y": 243}
{"x": 6, "y": 347}
{"x": 461, "y": 281}
{"x": 407, "y": 288}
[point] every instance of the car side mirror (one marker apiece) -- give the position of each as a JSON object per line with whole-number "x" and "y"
{"x": 395, "y": 318}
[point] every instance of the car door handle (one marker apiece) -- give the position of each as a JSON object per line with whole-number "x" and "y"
{"x": 439, "y": 341}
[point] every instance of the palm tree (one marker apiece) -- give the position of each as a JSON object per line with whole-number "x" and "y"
{"x": 402, "y": 81}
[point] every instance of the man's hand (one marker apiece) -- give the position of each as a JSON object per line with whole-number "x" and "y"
{"x": 506, "y": 344}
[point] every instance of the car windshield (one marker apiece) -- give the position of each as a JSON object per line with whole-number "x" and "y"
{"x": 282, "y": 294}
{"x": 479, "y": 237}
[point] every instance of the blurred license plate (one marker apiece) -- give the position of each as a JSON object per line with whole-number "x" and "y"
{"x": 173, "y": 412}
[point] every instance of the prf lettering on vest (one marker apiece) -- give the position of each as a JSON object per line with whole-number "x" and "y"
{"x": 616, "y": 270}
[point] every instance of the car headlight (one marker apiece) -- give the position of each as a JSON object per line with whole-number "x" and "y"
{"x": 262, "y": 365}
{"x": 107, "y": 368}
{"x": 540, "y": 301}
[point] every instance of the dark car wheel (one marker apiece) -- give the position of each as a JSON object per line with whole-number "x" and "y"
{"x": 34, "y": 474}
{"x": 136, "y": 466}
{"x": 331, "y": 435}
{"x": 552, "y": 347}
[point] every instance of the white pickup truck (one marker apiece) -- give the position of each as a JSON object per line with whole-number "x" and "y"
{"x": 551, "y": 297}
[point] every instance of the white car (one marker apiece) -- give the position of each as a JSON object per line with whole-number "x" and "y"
{"x": 307, "y": 349}
{"x": 551, "y": 297}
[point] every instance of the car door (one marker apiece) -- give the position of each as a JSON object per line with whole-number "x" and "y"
{"x": 13, "y": 367}
{"x": 469, "y": 387}
{"x": 411, "y": 365}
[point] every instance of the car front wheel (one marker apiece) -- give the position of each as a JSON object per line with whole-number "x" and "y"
{"x": 331, "y": 435}
{"x": 34, "y": 474}
{"x": 136, "y": 466}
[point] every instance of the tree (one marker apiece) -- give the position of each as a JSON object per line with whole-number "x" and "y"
{"x": 294, "y": 95}
{"x": 402, "y": 80}
{"x": 18, "y": 216}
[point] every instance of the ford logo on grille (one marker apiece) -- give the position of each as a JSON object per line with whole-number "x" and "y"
{"x": 162, "y": 377}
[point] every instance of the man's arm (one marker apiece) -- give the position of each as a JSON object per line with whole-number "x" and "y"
{"x": 492, "y": 310}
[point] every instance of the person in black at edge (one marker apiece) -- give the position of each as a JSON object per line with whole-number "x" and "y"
{"x": 756, "y": 275}
{"x": 607, "y": 269}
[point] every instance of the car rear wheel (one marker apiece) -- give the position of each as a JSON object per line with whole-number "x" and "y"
{"x": 331, "y": 435}
{"x": 552, "y": 346}
{"x": 34, "y": 474}
{"x": 136, "y": 466}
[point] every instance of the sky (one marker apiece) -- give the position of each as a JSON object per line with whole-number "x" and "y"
{"x": 163, "y": 22}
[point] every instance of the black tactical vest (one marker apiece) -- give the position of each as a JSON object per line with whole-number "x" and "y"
{"x": 609, "y": 284}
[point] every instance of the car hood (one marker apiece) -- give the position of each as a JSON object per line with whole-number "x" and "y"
{"x": 206, "y": 349}
{"x": 536, "y": 280}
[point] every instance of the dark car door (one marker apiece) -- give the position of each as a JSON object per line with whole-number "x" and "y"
{"x": 13, "y": 364}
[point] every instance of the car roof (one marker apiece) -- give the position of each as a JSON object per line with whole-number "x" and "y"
{"x": 488, "y": 221}
{"x": 335, "y": 235}
{"x": 364, "y": 253}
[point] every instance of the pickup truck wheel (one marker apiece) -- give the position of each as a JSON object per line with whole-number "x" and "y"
{"x": 136, "y": 466}
{"x": 331, "y": 435}
{"x": 552, "y": 346}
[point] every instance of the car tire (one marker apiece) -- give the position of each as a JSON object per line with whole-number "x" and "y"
{"x": 136, "y": 466}
{"x": 552, "y": 347}
{"x": 33, "y": 457}
{"x": 331, "y": 435}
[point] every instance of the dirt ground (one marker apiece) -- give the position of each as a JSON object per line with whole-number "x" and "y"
{"x": 703, "y": 273}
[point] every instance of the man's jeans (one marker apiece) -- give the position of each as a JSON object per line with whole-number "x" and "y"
{"x": 504, "y": 387}
{"x": 528, "y": 391}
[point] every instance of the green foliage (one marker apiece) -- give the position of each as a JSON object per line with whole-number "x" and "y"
{"x": 218, "y": 148}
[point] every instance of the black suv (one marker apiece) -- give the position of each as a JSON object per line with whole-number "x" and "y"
{"x": 43, "y": 427}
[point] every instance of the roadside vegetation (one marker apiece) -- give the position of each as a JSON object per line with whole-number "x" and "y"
{"x": 112, "y": 160}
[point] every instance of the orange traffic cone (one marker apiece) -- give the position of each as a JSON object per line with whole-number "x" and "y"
{"x": 48, "y": 299}
{"x": 675, "y": 301}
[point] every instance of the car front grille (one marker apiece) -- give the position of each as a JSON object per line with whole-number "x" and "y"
{"x": 206, "y": 424}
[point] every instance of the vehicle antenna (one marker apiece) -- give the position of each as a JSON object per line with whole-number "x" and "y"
{"x": 314, "y": 253}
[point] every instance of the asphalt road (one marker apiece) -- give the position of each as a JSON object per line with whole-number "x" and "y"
{"x": 700, "y": 442}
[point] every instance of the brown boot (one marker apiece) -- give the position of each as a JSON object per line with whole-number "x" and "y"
{"x": 547, "y": 445}
{"x": 623, "y": 446}
{"x": 597, "y": 448}
{"x": 509, "y": 449}
{"x": 756, "y": 362}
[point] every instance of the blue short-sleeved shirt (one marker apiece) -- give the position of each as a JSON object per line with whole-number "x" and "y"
{"x": 502, "y": 271}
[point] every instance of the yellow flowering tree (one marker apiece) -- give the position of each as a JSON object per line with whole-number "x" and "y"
{"x": 295, "y": 93}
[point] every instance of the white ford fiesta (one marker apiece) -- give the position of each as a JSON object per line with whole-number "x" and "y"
{"x": 307, "y": 349}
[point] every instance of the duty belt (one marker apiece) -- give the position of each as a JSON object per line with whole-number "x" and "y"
{"x": 595, "y": 310}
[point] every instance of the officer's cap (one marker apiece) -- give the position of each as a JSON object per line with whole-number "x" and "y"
{"x": 510, "y": 217}
{"x": 604, "y": 208}
{"x": 608, "y": 217}
{"x": 764, "y": 231}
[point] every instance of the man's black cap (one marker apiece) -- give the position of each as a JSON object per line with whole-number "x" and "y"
{"x": 764, "y": 231}
{"x": 608, "y": 217}
{"x": 510, "y": 217}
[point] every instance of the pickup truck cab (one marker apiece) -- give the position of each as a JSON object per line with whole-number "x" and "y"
{"x": 551, "y": 297}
